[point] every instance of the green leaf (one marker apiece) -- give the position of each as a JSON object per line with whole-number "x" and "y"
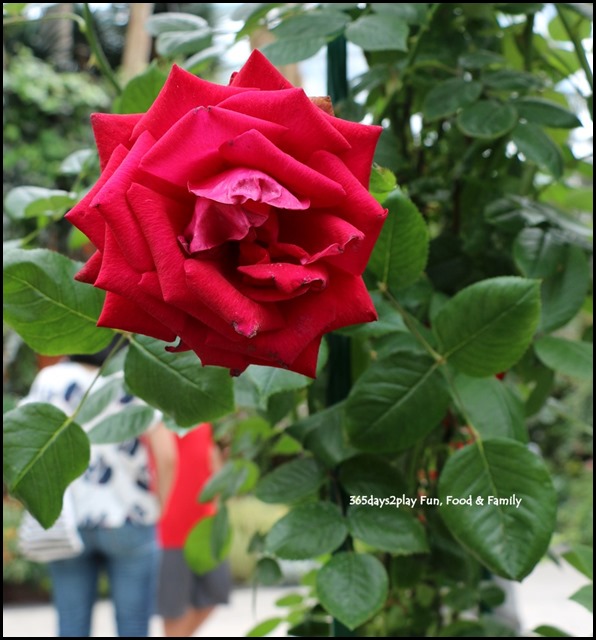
{"x": 352, "y": 587}
{"x": 308, "y": 531}
{"x": 268, "y": 572}
{"x": 486, "y": 328}
{"x": 220, "y": 532}
{"x": 198, "y": 551}
{"x": 581, "y": 557}
{"x": 264, "y": 628}
{"x": 382, "y": 183}
{"x": 291, "y": 481}
{"x": 401, "y": 252}
{"x": 563, "y": 293}
{"x": 388, "y": 407}
{"x": 448, "y": 97}
{"x": 585, "y": 597}
{"x": 125, "y": 425}
{"x": 510, "y": 80}
{"x": 40, "y": 443}
{"x": 234, "y": 478}
{"x": 177, "y": 383}
{"x": 291, "y": 50}
{"x": 326, "y": 437}
{"x": 388, "y": 529}
{"x": 173, "y": 21}
{"x": 550, "y": 632}
{"x": 202, "y": 59}
{"x": 379, "y": 33}
{"x": 538, "y": 252}
{"x": 547, "y": 113}
{"x": 97, "y": 401}
{"x": 409, "y": 12}
{"x": 480, "y": 59}
{"x": 487, "y": 119}
{"x": 493, "y": 410}
{"x": 13, "y": 8}
{"x": 270, "y": 381}
{"x": 368, "y": 475}
{"x": 313, "y": 24}
{"x": 569, "y": 357}
{"x": 47, "y": 307}
{"x": 176, "y": 43}
{"x": 32, "y": 202}
{"x": 581, "y": 28}
{"x": 508, "y": 538}
{"x": 537, "y": 147}
{"x": 140, "y": 92}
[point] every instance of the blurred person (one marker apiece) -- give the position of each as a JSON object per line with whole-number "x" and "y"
{"x": 185, "y": 599}
{"x": 117, "y": 505}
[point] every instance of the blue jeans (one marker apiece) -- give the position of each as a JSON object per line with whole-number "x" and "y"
{"x": 130, "y": 555}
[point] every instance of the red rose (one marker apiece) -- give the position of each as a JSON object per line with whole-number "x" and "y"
{"x": 236, "y": 219}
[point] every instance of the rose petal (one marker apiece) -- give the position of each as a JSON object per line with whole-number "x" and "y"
{"x": 363, "y": 140}
{"x": 110, "y": 130}
{"x": 112, "y": 205}
{"x": 86, "y": 218}
{"x": 333, "y": 236}
{"x": 307, "y": 127}
{"x": 359, "y": 208}
{"x": 90, "y": 269}
{"x": 288, "y": 278}
{"x": 257, "y": 72}
{"x": 190, "y": 148}
{"x": 181, "y": 93}
{"x": 253, "y": 149}
{"x": 246, "y": 317}
{"x": 126, "y": 315}
{"x": 239, "y": 185}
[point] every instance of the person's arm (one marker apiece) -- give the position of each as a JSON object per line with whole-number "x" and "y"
{"x": 165, "y": 457}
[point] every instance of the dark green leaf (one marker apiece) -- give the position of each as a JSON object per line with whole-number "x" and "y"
{"x": 379, "y": 33}
{"x": 40, "y": 443}
{"x": 518, "y": 8}
{"x": 401, "y": 252}
{"x": 234, "y": 478}
{"x": 508, "y": 538}
{"x": 140, "y": 92}
{"x": 326, "y": 437}
{"x": 487, "y": 119}
{"x": 291, "y": 50}
{"x": 352, "y": 587}
{"x": 538, "y": 252}
{"x": 550, "y": 632}
{"x": 486, "y": 328}
{"x": 313, "y": 24}
{"x": 220, "y": 532}
{"x": 510, "y": 80}
{"x": 124, "y": 425}
{"x": 563, "y": 294}
{"x": 198, "y": 551}
{"x": 268, "y": 572}
{"x": 291, "y": 481}
{"x": 177, "y": 383}
{"x": 368, "y": 475}
{"x": 546, "y": 112}
{"x": 448, "y": 97}
{"x": 388, "y": 408}
{"x": 585, "y": 597}
{"x": 409, "y": 12}
{"x": 53, "y": 313}
{"x": 388, "y": 529}
{"x": 537, "y": 147}
{"x": 480, "y": 59}
{"x": 269, "y": 381}
{"x": 308, "y": 531}
{"x": 581, "y": 557}
{"x": 569, "y": 357}
{"x": 492, "y": 409}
